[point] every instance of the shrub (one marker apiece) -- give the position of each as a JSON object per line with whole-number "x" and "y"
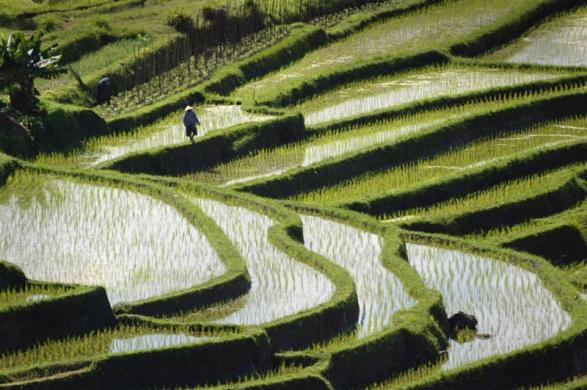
{"x": 11, "y": 276}
{"x": 181, "y": 21}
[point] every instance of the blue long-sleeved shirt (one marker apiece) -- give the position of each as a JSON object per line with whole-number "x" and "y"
{"x": 190, "y": 119}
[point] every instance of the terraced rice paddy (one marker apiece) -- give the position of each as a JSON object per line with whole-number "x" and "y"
{"x": 436, "y": 27}
{"x": 95, "y": 61}
{"x": 124, "y": 339}
{"x": 167, "y": 132}
{"x": 382, "y": 93}
{"x": 380, "y": 293}
{"x": 317, "y": 148}
{"x": 560, "y": 41}
{"x": 454, "y": 162}
{"x": 323, "y": 145}
{"x": 299, "y": 289}
{"x": 510, "y": 303}
{"x": 281, "y": 286}
{"x": 63, "y": 231}
{"x": 507, "y": 192}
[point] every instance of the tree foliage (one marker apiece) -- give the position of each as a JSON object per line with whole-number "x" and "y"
{"x": 22, "y": 60}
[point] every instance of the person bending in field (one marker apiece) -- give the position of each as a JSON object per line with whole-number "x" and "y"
{"x": 103, "y": 92}
{"x": 190, "y": 121}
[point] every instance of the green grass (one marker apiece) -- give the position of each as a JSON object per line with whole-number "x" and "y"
{"x": 450, "y": 163}
{"x": 410, "y": 376}
{"x": 284, "y": 371}
{"x": 96, "y": 61}
{"x": 505, "y": 233}
{"x": 577, "y": 383}
{"x": 31, "y": 293}
{"x": 212, "y": 313}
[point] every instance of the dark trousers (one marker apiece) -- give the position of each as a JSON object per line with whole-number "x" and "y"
{"x": 191, "y": 131}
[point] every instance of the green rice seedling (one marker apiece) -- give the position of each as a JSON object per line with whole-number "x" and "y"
{"x": 95, "y": 61}
{"x": 386, "y": 92}
{"x": 191, "y": 72}
{"x": 122, "y": 339}
{"x": 504, "y": 233}
{"x": 135, "y": 246}
{"x": 165, "y": 132}
{"x": 31, "y": 293}
{"x": 411, "y": 375}
{"x": 511, "y": 304}
{"x": 211, "y": 313}
{"x": 436, "y": 27}
{"x": 171, "y": 132}
{"x": 576, "y": 383}
{"x": 280, "y": 286}
{"x": 559, "y": 41}
{"x": 453, "y": 162}
{"x": 510, "y": 191}
{"x": 283, "y": 371}
{"x": 320, "y": 146}
{"x": 380, "y": 292}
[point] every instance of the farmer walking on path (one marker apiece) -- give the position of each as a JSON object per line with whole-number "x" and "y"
{"x": 190, "y": 120}
{"x": 103, "y": 92}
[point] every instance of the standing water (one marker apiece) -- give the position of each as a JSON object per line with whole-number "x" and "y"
{"x": 133, "y": 245}
{"x": 380, "y": 293}
{"x": 280, "y": 286}
{"x": 510, "y": 303}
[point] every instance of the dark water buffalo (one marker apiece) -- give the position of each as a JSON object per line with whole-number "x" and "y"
{"x": 460, "y": 321}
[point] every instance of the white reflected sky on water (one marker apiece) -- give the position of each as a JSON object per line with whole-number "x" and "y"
{"x": 133, "y": 245}
{"x": 152, "y": 341}
{"x": 281, "y": 286}
{"x": 509, "y": 302}
{"x": 379, "y": 291}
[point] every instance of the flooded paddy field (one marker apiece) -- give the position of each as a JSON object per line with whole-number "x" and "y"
{"x": 384, "y": 93}
{"x": 281, "y": 286}
{"x": 300, "y": 289}
{"x": 380, "y": 292}
{"x": 119, "y": 340}
{"x": 560, "y": 41}
{"x": 60, "y": 230}
{"x": 169, "y": 131}
{"x": 511, "y": 304}
{"x": 323, "y": 145}
{"x": 457, "y": 161}
{"x": 436, "y": 27}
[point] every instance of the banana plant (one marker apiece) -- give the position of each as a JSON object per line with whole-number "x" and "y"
{"x": 22, "y": 60}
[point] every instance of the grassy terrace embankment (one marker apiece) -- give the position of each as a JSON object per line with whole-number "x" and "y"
{"x": 356, "y": 183}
